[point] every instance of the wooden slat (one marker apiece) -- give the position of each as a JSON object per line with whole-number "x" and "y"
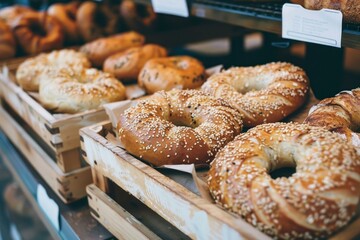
{"x": 115, "y": 218}
{"x": 67, "y": 161}
{"x": 68, "y": 186}
{"x": 190, "y": 213}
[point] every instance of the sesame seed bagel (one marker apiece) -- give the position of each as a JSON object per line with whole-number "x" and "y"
{"x": 70, "y": 91}
{"x": 264, "y": 93}
{"x": 178, "y": 127}
{"x": 340, "y": 114}
{"x": 29, "y": 72}
{"x": 317, "y": 200}
{"x": 180, "y": 72}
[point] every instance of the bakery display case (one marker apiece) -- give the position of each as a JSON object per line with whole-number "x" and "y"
{"x": 94, "y": 168}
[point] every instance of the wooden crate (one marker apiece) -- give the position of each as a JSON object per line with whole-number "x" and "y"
{"x": 68, "y": 186}
{"x": 60, "y": 133}
{"x": 193, "y": 215}
{"x": 190, "y": 213}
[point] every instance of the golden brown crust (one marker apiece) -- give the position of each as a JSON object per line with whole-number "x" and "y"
{"x": 38, "y": 32}
{"x": 7, "y": 42}
{"x": 97, "y": 51}
{"x": 127, "y": 65}
{"x": 264, "y": 93}
{"x": 28, "y": 73}
{"x": 180, "y": 72}
{"x": 138, "y": 17}
{"x": 339, "y": 114}
{"x": 66, "y": 15}
{"x": 316, "y": 201}
{"x": 96, "y": 21}
{"x": 178, "y": 127}
{"x": 349, "y": 8}
{"x": 9, "y": 14}
{"x": 70, "y": 91}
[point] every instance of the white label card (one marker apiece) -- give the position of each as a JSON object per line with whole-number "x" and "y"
{"x": 48, "y": 206}
{"x": 315, "y": 26}
{"x": 173, "y": 7}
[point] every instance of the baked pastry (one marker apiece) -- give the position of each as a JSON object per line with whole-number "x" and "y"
{"x": 349, "y": 8}
{"x": 97, "y": 51}
{"x": 66, "y": 15}
{"x": 37, "y": 32}
{"x": 96, "y": 21}
{"x": 340, "y": 114}
{"x": 138, "y": 17}
{"x": 264, "y": 93}
{"x": 9, "y": 14}
{"x": 28, "y": 73}
{"x": 317, "y": 200}
{"x": 7, "y": 42}
{"x": 180, "y": 72}
{"x": 178, "y": 127}
{"x": 68, "y": 91}
{"x": 128, "y": 64}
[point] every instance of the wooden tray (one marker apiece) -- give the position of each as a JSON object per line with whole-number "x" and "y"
{"x": 192, "y": 214}
{"x": 59, "y": 133}
{"x": 68, "y": 186}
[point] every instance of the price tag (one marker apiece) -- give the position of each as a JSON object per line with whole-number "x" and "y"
{"x": 173, "y": 7}
{"x": 322, "y": 26}
{"x": 48, "y": 206}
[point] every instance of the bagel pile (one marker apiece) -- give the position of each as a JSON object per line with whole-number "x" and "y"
{"x": 192, "y": 118}
{"x": 29, "y": 32}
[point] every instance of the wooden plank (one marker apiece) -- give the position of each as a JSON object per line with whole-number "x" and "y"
{"x": 115, "y": 218}
{"x": 68, "y": 186}
{"x": 189, "y": 212}
{"x": 67, "y": 161}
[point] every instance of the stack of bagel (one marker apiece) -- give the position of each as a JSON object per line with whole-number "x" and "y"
{"x": 192, "y": 118}
{"x": 26, "y": 31}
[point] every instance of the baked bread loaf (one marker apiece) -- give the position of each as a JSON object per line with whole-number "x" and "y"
{"x": 138, "y": 17}
{"x": 264, "y": 93}
{"x": 128, "y": 64}
{"x": 178, "y": 127}
{"x": 29, "y": 72}
{"x": 340, "y": 114}
{"x": 96, "y": 20}
{"x": 66, "y": 15}
{"x": 7, "y": 42}
{"x": 349, "y": 8}
{"x": 316, "y": 201}
{"x": 37, "y": 32}
{"x": 9, "y": 14}
{"x": 69, "y": 91}
{"x": 97, "y": 51}
{"x": 180, "y": 72}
